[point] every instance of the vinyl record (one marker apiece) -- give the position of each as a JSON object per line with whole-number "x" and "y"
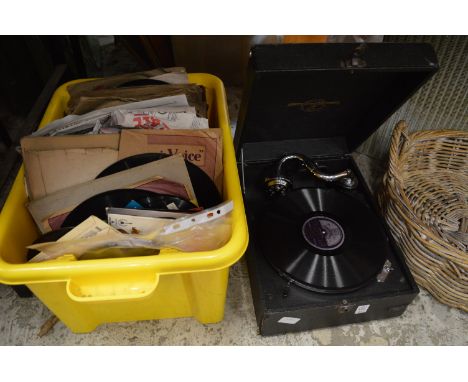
{"x": 323, "y": 240}
{"x": 49, "y": 236}
{"x": 130, "y": 198}
{"x": 205, "y": 190}
{"x": 100, "y": 253}
{"x": 142, "y": 82}
{"x": 22, "y": 290}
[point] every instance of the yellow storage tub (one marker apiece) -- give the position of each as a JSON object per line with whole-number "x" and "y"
{"x": 84, "y": 294}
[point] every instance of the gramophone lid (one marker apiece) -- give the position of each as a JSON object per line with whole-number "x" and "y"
{"x": 338, "y": 91}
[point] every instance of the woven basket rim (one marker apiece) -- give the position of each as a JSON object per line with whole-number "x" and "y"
{"x": 399, "y": 155}
{"x": 438, "y": 264}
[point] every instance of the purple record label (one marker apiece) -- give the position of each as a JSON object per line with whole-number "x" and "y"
{"x": 323, "y": 233}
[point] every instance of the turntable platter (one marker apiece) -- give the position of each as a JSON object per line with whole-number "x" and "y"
{"x": 323, "y": 240}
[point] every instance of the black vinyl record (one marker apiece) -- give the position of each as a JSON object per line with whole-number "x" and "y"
{"x": 124, "y": 198}
{"x": 23, "y": 290}
{"x": 49, "y": 236}
{"x": 323, "y": 240}
{"x": 205, "y": 190}
{"x": 142, "y": 82}
{"x": 100, "y": 253}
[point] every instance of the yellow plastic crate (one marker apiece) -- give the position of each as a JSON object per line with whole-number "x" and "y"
{"x": 84, "y": 294}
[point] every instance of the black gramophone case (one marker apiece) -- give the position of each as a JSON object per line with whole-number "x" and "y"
{"x": 321, "y": 101}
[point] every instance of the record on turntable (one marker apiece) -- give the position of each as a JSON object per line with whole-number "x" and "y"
{"x": 323, "y": 240}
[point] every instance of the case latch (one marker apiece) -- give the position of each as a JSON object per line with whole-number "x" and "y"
{"x": 345, "y": 307}
{"x": 356, "y": 60}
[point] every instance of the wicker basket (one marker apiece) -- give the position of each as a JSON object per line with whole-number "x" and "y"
{"x": 425, "y": 202}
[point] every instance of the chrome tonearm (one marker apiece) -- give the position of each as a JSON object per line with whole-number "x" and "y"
{"x": 281, "y": 181}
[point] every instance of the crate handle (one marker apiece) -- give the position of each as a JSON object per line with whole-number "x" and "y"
{"x": 112, "y": 287}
